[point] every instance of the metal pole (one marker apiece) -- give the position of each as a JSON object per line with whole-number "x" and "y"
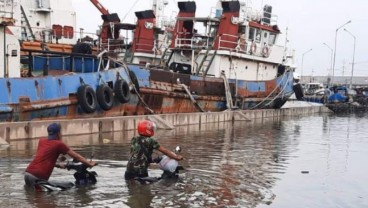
{"x": 352, "y": 65}
{"x": 330, "y": 70}
{"x": 301, "y": 71}
{"x": 334, "y": 59}
{"x": 330, "y": 58}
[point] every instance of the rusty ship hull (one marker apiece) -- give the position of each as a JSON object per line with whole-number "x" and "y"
{"x": 228, "y": 66}
{"x": 157, "y": 92}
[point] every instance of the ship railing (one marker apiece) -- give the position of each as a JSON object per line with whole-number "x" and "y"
{"x": 157, "y": 47}
{"x": 144, "y": 48}
{"x": 143, "y": 45}
{"x": 7, "y": 9}
{"x": 197, "y": 41}
{"x": 240, "y": 45}
{"x": 41, "y": 62}
{"x": 115, "y": 45}
{"x": 5, "y": 14}
{"x": 232, "y": 43}
{"x": 51, "y": 36}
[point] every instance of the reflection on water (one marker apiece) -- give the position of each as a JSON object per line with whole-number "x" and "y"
{"x": 270, "y": 163}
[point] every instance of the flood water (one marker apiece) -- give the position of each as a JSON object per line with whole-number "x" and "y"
{"x": 312, "y": 161}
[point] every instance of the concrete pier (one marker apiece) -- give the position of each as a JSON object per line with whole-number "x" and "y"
{"x": 10, "y": 131}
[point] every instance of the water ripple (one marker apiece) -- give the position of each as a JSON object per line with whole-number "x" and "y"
{"x": 271, "y": 162}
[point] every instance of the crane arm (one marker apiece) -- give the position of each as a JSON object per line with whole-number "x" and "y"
{"x": 99, "y": 6}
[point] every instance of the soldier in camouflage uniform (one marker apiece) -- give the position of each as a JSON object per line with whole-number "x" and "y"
{"x": 141, "y": 150}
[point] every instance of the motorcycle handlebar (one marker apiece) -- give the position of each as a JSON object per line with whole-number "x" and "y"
{"x": 76, "y": 166}
{"x": 58, "y": 166}
{"x": 71, "y": 165}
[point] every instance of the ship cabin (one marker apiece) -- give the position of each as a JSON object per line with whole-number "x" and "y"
{"x": 203, "y": 46}
{"x": 142, "y": 43}
{"x": 38, "y": 23}
{"x": 9, "y": 44}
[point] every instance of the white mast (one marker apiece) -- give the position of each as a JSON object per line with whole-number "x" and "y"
{"x": 158, "y": 7}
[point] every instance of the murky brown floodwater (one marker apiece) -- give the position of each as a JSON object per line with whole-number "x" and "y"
{"x": 317, "y": 161}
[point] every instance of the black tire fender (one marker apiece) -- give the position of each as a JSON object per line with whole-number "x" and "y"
{"x": 121, "y": 90}
{"x": 87, "y": 98}
{"x": 83, "y": 48}
{"x": 298, "y": 90}
{"x": 105, "y": 97}
{"x": 134, "y": 80}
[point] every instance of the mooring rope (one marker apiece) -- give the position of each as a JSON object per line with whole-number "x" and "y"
{"x": 269, "y": 95}
{"x": 126, "y": 68}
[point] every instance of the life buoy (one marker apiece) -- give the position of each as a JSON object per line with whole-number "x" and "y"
{"x": 265, "y": 51}
{"x": 105, "y": 97}
{"x": 278, "y": 103}
{"x": 121, "y": 90}
{"x": 87, "y": 98}
{"x": 253, "y": 48}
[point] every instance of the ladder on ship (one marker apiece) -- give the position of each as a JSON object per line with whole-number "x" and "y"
{"x": 166, "y": 56}
{"x": 206, "y": 61}
{"x": 27, "y": 30}
{"x": 229, "y": 99}
{"x": 196, "y": 105}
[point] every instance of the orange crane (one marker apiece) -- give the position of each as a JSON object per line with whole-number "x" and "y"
{"x": 100, "y": 7}
{"x": 108, "y": 30}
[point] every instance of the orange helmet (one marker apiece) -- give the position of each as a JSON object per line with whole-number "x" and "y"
{"x": 146, "y": 128}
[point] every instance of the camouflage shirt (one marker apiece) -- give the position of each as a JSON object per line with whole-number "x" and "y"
{"x": 141, "y": 149}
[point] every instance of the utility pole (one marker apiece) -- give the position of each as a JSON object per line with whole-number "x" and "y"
{"x": 334, "y": 59}
{"x": 352, "y": 65}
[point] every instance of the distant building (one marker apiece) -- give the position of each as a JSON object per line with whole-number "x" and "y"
{"x": 338, "y": 80}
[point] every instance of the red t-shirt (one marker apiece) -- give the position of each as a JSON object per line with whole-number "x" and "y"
{"x": 47, "y": 153}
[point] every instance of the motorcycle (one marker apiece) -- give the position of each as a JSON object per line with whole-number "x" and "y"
{"x": 83, "y": 177}
{"x": 169, "y": 166}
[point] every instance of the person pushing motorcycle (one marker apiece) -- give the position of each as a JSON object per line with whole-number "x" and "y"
{"x": 141, "y": 150}
{"x": 48, "y": 151}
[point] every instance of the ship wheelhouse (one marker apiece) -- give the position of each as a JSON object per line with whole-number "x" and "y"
{"x": 228, "y": 43}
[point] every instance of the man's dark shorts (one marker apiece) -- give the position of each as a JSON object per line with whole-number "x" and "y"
{"x": 30, "y": 180}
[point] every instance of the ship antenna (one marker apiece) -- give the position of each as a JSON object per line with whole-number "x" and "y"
{"x": 130, "y": 10}
{"x": 261, "y": 5}
{"x": 286, "y": 44}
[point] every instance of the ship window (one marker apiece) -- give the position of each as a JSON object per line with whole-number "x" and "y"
{"x": 57, "y": 31}
{"x": 169, "y": 35}
{"x": 251, "y": 33}
{"x": 14, "y": 53}
{"x": 68, "y": 32}
{"x": 265, "y": 37}
{"x": 258, "y": 35}
{"x": 213, "y": 31}
{"x": 188, "y": 26}
{"x": 241, "y": 30}
{"x": 272, "y": 39}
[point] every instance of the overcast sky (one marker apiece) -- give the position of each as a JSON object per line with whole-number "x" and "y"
{"x": 309, "y": 23}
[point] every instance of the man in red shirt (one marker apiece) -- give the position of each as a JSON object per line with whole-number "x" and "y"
{"x": 47, "y": 154}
